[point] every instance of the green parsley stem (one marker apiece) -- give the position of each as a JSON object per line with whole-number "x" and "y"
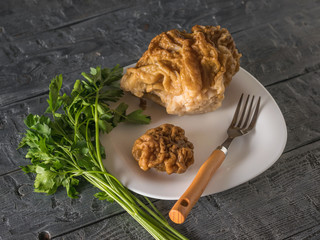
{"x": 69, "y": 145}
{"x": 134, "y": 199}
{"x": 90, "y": 146}
{"x": 153, "y": 229}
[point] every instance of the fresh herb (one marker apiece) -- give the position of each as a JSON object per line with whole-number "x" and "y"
{"x": 65, "y": 145}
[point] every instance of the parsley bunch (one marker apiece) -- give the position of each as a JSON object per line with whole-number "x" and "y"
{"x": 65, "y": 144}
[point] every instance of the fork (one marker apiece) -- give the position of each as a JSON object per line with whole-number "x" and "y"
{"x": 239, "y": 126}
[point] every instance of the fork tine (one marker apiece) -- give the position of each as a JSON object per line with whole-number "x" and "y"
{"x": 255, "y": 117}
{"x": 248, "y": 114}
{"x": 235, "y": 116}
{"x": 243, "y": 112}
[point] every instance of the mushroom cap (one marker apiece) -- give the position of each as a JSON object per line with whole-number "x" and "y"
{"x": 185, "y": 72}
{"x": 165, "y": 148}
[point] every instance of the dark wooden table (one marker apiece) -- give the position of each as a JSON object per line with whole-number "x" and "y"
{"x": 280, "y": 43}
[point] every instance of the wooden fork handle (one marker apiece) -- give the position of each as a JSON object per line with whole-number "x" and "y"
{"x": 183, "y": 206}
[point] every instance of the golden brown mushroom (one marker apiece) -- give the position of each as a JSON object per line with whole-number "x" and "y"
{"x": 185, "y": 72}
{"x": 165, "y": 148}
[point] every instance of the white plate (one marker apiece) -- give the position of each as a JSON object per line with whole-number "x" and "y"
{"x": 248, "y": 156}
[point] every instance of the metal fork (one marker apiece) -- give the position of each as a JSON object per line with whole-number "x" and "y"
{"x": 243, "y": 122}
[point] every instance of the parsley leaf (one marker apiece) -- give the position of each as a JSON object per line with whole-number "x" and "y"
{"x": 64, "y": 144}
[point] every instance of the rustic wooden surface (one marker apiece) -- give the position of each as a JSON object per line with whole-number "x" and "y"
{"x": 280, "y": 43}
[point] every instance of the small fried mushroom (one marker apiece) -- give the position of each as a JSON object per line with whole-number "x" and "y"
{"x": 165, "y": 148}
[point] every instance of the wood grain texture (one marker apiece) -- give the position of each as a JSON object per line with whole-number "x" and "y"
{"x": 274, "y": 205}
{"x": 25, "y": 213}
{"x": 71, "y": 41}
{"x": 299, "y": 99}
{"x": 280, "y": 43}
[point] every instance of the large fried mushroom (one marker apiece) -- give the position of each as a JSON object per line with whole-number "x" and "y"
{"x": 185, "y": 72}
{"x": 165, "y": 148}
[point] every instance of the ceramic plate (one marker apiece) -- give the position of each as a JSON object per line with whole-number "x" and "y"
{"x": 248, "y": 156}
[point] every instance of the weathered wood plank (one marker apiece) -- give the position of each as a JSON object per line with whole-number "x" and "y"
{"x": 25, "y": 213}
{"x": 283, "y": 48}
{"x": 282, "y": 202}
{"x": 11, "y": 131}
{"x": 311, "y": 233}
{"x": 24, "y": 19}
{"x": 299, "y": 101}
{"x": 119, "y": 227}
{"x": 287, "y": 39}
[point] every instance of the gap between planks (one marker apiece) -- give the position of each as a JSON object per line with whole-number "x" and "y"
{"x": 88, "y": 224}
{"x": 68, "y": 24}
